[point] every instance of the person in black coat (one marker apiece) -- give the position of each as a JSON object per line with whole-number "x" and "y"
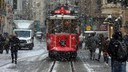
{"x": 100, "y": 45}
{"x": 2, "y": 39}
{"x": 14, "y": 42}
{"x": 117, "y": 65}
{"x": 6, "y": 43}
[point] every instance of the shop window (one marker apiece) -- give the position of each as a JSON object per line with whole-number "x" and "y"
{"x": 14, "y": 4}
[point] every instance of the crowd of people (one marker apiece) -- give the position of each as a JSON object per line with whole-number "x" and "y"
{"x": 115, "y": 47}
{"x": 101, "y": 42}
{"x": 9, "y": 42}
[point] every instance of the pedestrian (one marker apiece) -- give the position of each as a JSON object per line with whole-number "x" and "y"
{"x": 92, "y": 45}
{"x": 105, "y": 48}
{"x": 100, "y": 45}
{"x": 87, "y": 41}
{"x": 2, "y": 40}
{"x": 6, "y": 44}
{"x": 81, "y": 41}
{"x": 126, "y": 39}
{"x": 118, "y": 51}
{"x": 14, "y": 42}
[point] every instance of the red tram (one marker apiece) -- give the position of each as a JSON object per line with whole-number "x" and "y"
{"x": 62, "y": 33}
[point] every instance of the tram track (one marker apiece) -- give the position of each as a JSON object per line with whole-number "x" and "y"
{"x": 54, "y": 65}
{"x": 72, "y": 67}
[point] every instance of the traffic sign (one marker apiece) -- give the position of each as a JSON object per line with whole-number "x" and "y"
{"x": 88, "y": 27}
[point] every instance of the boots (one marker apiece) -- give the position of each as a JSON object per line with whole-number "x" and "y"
{"x": 12, "y": 61}
{"x": 15, "y": 61}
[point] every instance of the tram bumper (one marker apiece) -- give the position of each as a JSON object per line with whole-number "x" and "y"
{"x": 63, "y": 49}
{"x": 63, "y": 52}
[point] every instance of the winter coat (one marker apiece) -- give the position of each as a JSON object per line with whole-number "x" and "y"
{"x": 126, "y": 39}
{"x": 116, "y": 36}
{"x": 14, "y": 42}
{"x": 92, "y": 43}
{"x": 101, "y": 41}
{"x": 105, "y": 45}
{"x": 2, "y": 40}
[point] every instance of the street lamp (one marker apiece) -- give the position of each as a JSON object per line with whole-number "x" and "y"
{"x": 117, "y": 24}
{"x": 108, "y": 19}
{"x": 109, "y": 23}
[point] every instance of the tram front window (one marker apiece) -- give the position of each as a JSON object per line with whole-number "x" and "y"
{"x": 62, "y": 26}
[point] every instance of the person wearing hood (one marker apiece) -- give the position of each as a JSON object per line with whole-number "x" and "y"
{"x": 14, "y": 42}
{"x": 92, "y": 45}
{"x": 114, "y": 50}
{"x": 2, "y": 40}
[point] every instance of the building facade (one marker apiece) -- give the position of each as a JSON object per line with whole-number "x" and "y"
{"x": 9, "y": 17}
{"x": 93, "y": 14}
{"x": 115, "y": 9}
{"x": 39, "y": 13}
{"x": 2, "y": 15}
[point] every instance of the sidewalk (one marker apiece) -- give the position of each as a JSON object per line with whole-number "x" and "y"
{"x": 97, "y": 51}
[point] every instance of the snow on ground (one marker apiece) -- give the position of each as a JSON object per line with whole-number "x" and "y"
{"x": 110, "y": 58}
{"x": 39, "y": 51}
{"x": 6, "y": 68}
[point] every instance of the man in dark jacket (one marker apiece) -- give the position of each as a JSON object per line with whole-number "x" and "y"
{"x": 6, "y": 42}
{"x": 126, "y": 39}
{"x": 14, "y": 42}
{"x": 100, "y": 45}
{"x": 92, "y": 45}
{"x": 116, "y": 65}
{"x": 2, "y": 39}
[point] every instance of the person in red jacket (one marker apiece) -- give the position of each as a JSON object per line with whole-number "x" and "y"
{"x": 105, "y": 52}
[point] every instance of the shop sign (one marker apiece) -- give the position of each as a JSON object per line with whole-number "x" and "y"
{"x": 103, "y": 27}
{"x": 88, "y": 27}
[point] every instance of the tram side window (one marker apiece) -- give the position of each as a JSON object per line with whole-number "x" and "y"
{"x": 57, "y": 24}
{"x": 66, "y": 26}
{"x": 74, "y": 26}
{"x": 70, "y": 26}
{"x": 51, "y": 26}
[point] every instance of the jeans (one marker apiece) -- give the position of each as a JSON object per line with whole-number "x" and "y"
{"x": 117, "y": 66}
{"x": 99, "y": 55}
{"x": 92, "y": 54}
{"x": 106, "y": 59}
{"x": 14, "y": 56}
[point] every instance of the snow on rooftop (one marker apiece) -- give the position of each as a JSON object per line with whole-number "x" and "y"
{"x": 62, "y": 17}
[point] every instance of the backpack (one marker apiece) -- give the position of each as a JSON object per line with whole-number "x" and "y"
{"x": 92, "y": 43}
{"x": 120, "y": 51}
{"x": 88, "y": 41}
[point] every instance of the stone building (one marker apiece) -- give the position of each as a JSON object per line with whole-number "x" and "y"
{"x": 9, "y": 17}
{"x": 95, "y": 13}
{"x": 2, "y": 15}
{"x": 115, "y": 9}
{"x": 39, "y": 13}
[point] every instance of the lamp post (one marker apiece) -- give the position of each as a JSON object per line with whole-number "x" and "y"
{"x": 117, "y": 24}
{"x": 109, "y": 23}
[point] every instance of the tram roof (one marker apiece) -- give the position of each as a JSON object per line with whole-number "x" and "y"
{"x": 63, "y": 17}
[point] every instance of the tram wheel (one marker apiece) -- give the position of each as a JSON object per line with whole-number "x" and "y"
{"x": 73, "y": 55}
{"x": 50, "y": 54}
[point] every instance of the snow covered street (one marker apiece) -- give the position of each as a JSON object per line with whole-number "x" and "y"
{"x": 38, "y": 53}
